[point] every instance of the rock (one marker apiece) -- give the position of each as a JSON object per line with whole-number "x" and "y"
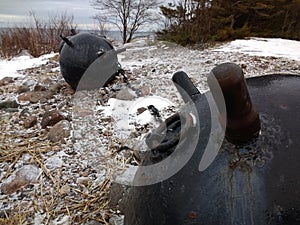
{"x": 26, "y": 175}
{"x": 9, "y": 104}
{"x": 22, "y": 89}
{"x": 65, "y": 189}
{"x": 6, "y": 80}
{"x": 29, "y": 121}
{"x": 67, "y": 90}
{"x": 50, "y": 118}
{"x": 56, "y": 87}
{"x": 39, "y": 87}
{"x": 145, "y": 90}
{"x": 53, "y": 163}
{"x": 141, "y": 110}
{"x": 116, "y": 220}
{"x": 35, "y": 96}
{"x": 126, "y": 94}
{"x": 60, "y": 131}
{"x": 83, "y": 181}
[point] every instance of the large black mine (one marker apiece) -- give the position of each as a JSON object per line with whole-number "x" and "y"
{"x": 251, "y": 178}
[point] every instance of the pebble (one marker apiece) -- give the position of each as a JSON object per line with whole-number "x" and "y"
{"x": 9, "y": 104}
{"x": 53, "y": 163}
{"x": 83, "y": 181}
{"x": 6, "y": 80}
{"x": 29, "y": 121}
{"x": 65, "y": 189}
{"x": 35, "y": 96}
{"x": 24, "y": 176}
{"x": 60, "y": 131}
{"x": 126, "y": 94}
{"x": 50, "y": 118}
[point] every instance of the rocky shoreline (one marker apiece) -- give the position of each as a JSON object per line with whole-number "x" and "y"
{"x": 60, "y": 153}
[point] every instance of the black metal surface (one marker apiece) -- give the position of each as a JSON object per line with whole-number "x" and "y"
{"x": 255, "y": 183}
{"x": 185, "y": 86}
{"x": 78, "y": 52}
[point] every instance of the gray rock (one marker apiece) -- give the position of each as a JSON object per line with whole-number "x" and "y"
{"x": 9, "y": 104}
{"x": 53, "y": 163}
{"x": 6, "y": 80}
{"x": 126, "y": 94}
{"x": 116, "y": 220}
{"x": 60, "y": 131}
{"x": 26, "y": 175}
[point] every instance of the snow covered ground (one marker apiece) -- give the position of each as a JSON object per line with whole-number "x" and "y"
{"x": 10, "y": 68}
{"x": 275, "y": 47}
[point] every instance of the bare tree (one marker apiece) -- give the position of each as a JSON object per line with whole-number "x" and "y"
{"x": 127, "y": 15}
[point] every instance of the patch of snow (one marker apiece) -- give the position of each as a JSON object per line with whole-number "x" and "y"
{"x": 124, "y": 112}
{"x": 275, "y": 47}
{"x": 9, "y": 68}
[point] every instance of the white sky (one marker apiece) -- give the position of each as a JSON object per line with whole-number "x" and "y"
{"x": 14, "y": 12}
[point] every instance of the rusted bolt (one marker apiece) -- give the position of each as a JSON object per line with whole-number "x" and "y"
{"x": 242, "y": 119}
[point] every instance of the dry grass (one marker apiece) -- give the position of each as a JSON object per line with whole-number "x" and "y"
{"x": 47, "y": 198}
{"x": 42, "y": 38}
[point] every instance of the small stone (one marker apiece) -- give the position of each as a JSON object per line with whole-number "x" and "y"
{"x": 56, "y": 87}
{"x": 107, "y": 119}
{"x": 65, "y": 189}
{"x": 83, "y": 181}
{"x": 145, "y": 90}
{"x": 26, "y": 175}
{"x": 22, "y": 89}
{"x": 60, "y": 131}
{"x": 68, "y": 90}
{"x": 53, "y": 163}
{"x": 126, "y": 94}
{"x": 9, "y": 104}
{"x": 116, "y": 220}
{"x": 50, "y": 118}
{"x": 6, "y": 80}
{"x": 24, "y": 113}
{"x": 39, "y": 87}
{"x": 141, "y": 110}
{"x": 30, "y": 121}
{"x": 35, "y": 96}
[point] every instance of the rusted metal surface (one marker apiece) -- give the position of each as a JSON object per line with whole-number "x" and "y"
{"x": 252, "y": 183}
{"x": 242, "y": 118}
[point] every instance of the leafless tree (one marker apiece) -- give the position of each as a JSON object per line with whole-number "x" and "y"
{"x": 128, "y": 16}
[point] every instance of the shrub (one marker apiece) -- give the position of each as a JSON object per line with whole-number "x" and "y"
{"x": 42, "y": 38}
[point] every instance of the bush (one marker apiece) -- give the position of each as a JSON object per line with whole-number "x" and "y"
{"x": 230, "y": 34}
{"x": 42, "y": 38}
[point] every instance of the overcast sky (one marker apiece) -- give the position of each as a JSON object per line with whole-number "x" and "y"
{"x": 16, "y": 12}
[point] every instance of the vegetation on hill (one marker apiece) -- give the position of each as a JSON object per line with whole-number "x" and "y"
{"x": 194, "y": 21}
{"x": 41, "y": 38}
